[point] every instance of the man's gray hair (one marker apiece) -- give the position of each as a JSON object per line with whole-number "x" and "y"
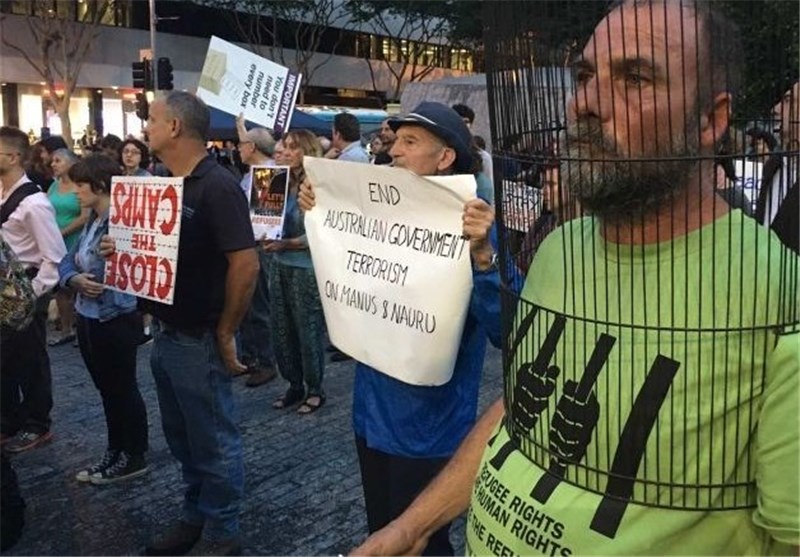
{"x": 191, "y": 111}
{"x": 262, "y": 140}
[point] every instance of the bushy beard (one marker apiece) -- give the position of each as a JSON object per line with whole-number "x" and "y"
{"x": 624, "y": 189}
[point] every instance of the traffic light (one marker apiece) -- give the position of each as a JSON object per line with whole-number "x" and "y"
{"x": 142, "y": 75}
{"x": 142, "y": 106}
{"x": 164, "y": 73}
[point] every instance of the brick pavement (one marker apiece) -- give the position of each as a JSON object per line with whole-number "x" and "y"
{"x": 303, "y": 492}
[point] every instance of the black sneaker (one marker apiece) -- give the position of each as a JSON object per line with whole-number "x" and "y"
{"x": 108, "y": 459}
{"x": 126, "y": 467}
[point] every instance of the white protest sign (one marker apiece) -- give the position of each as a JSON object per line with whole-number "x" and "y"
{"x": 268, "y": 189}
{"x": 392, "y": 267}
{"x": 236, "y": 81}
{"x": 748, "y": 176}
{"x": 521, "y": 205}
{"x": 145, "y": 221}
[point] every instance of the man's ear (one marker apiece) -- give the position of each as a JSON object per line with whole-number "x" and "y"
{"x": 715, "y": 122}
{"x": 447, "y": 159}
{"x": 176, "y": 126}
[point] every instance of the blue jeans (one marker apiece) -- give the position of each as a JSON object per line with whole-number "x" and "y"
{"x": 199, "y": 418}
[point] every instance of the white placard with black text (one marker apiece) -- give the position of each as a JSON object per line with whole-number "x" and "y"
{"x": 392, "y": 266}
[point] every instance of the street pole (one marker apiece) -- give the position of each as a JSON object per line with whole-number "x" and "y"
{"x": 154, "y": 58}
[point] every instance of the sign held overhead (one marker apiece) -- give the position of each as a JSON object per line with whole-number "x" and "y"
{"x": 237, "y": 81}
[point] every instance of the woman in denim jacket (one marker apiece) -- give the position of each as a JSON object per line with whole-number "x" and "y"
{"x": 109, "y": 328}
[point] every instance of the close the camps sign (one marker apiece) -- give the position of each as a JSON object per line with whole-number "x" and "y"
{"x": 392, "y": 266}
{"x": 145, "y": 222}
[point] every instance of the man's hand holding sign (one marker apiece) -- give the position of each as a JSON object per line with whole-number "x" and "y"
{"x": 478, "y": 219}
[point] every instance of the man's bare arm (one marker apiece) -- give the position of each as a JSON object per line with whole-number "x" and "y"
{"x": 239, "y": 285}
{"x": 446, "y": 497}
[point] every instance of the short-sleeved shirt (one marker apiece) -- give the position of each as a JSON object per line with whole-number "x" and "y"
{"x": 215, "y": 221}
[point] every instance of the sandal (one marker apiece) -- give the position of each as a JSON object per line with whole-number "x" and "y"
{"x": 290, "y": 398}
{"x": 65, "y": 339}
{"x": 308, "y": 407}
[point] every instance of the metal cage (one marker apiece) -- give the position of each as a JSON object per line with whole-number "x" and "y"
{"x": 644, "y": 295}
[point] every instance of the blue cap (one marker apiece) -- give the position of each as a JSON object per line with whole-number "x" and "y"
{"x": 445, "y": 123}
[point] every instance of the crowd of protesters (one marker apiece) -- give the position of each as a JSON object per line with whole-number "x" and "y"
{"x": 405, "y": 435}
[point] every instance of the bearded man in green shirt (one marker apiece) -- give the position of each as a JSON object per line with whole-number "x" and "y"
{"x": 652, "y": 389}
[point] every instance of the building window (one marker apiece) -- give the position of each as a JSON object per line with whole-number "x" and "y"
{"x": 389, "y": 50}
{"x": 114, "y": 12}
{"x": 17, "y": 7}
{"x": 364, "y": 45}
{"x": 44, "y": 9}
{"x": 65, "y": 10}
{"x": 124, "y": 14}
{"x": 461, "y": 59}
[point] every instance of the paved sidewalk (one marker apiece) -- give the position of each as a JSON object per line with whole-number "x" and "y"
{"x": 303, "y": 492}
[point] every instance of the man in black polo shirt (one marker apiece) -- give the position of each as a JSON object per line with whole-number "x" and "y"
{"x": 194, "y": 353}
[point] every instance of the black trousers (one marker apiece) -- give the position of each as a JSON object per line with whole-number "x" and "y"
{"x": 391, "y": 483}
{"x": 26, "y": 386}
{"x": 109, "y": 351}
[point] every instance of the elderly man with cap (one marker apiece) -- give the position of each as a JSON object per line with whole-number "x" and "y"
{"x": 256, "y": 147}
{"x": 406, "y": 433}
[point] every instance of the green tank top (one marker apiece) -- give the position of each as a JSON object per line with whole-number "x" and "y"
{"x": 68, "y": 208}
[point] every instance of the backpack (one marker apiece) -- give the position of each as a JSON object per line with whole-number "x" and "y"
{"x": 17, "y": 298}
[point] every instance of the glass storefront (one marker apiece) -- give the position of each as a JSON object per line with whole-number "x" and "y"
{"x": 35, "y": 112}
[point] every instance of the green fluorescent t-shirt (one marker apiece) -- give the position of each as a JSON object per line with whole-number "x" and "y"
{"x": 651, "y": 400}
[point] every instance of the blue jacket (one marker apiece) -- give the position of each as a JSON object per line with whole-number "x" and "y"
{"x": 430, "y": 422}
{"x": 111, "y": 303}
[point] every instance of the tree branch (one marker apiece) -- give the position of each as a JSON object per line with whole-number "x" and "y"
{"x": 39, "y": 69}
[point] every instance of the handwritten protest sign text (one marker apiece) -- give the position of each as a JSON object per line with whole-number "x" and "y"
{"x": 391, "y": 265}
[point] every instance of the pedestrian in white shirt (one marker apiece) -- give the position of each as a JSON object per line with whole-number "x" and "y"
{"x": 28, "y": 226}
